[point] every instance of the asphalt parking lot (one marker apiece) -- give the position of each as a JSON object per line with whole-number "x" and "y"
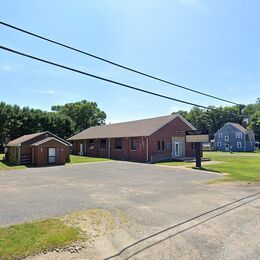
{"x": 187, "y": 218}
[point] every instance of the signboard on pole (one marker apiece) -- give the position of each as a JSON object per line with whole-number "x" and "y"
{"x": 197, "y": 136}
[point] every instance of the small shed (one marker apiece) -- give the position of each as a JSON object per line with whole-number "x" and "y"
{"x": 38, "y": 149}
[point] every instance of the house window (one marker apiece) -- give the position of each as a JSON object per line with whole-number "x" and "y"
{"x": 118, "y": 143}
{"x": 220, "y": 135}
{"x": 226, "y": 138}
{"x": 103, "y": 144}
{"x": 192, "y": 146}
{"x": 219, "y": 144}
{"x": 162, "y": 145}
{"x": 228, "y": 128}
{"x": 133, "y": 144}
{"x": 239, "y": 145}
{"x": 159, "y": 145}
{"x": 238, "y": 135}
{"x": 91, "y": 145}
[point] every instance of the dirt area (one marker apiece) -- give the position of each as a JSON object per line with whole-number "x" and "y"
{"x": 95, "y": 224}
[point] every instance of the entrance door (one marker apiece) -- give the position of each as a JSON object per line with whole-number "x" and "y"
{"x": 52, "y": 155}
{"x": 227, "y": 147}
{"x": 177, "y": 149}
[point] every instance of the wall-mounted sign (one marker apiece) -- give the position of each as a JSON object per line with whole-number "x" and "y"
{"x": 197, "y": 136}
{"x": 197, "y": 132}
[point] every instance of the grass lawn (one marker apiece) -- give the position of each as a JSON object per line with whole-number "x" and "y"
{"x": 84, "y": 159}
{"x": 18, "y": 241}
{"x": 175, "y": 163}
{"x": 239, "y": 166}
{"x": 7, "y": 166}
{"x": 75, "y": 228}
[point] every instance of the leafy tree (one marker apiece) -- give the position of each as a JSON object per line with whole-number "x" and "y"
{"x": 255, "y": 124}
{"x": 84, "y": 114}
{"x": 214, "y": 119}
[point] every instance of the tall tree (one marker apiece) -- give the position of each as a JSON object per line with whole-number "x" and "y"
{"x": 255, "y": 124}
{"x": 214, "y": 119}
{"x": 84, "y": 114}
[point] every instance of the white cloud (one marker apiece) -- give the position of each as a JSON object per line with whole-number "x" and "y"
{"x": 6, "y": 68}
{"x": 192, "y": 3}
{"x": 55, "y": 93}
{"x": 196, "y": 4}
{"x": 48, "y": 92}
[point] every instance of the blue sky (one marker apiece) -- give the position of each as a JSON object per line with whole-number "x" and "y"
{"x": 211, "y": 46}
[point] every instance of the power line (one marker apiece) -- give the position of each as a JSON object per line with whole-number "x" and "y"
{"x": 101, "y": 78}
{"x": 117, "y": 64}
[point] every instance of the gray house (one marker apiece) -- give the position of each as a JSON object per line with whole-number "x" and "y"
{"x": 234, "y": 137}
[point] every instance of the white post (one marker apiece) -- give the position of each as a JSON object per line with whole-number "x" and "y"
{"x": 108, "y": 147}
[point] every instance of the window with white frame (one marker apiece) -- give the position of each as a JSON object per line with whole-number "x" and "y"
{"x": 219, "y": 144}
{"x": 239, "y": 145}
{"x": 238, "y": 135}
{"x": 228, "y": 128}
{"x": 220, "y": 135}
{"x": 226, "y": 138}
{"x": 91, "y": 144}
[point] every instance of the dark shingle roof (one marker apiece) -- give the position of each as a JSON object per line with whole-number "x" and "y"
{"x": 24, "y": 138}
{"x": 144, "y": 127}
{"x": 47, "y": 139}
{"x": 239, "y": 127}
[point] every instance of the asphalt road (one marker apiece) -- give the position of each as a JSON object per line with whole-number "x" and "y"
{"x": 159, "y": 201}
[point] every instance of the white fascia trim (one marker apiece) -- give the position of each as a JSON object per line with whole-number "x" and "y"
{"x": 51, "y": 138}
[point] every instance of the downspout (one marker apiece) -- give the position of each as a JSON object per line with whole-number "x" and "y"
{"x": 147, "y": 149}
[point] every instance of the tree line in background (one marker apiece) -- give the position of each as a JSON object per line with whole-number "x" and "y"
{"x": 66, "y": 120}
{"x": 213, "y": 119}
{"x": 63, "y": 120}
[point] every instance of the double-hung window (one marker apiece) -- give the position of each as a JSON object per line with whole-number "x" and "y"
{"x": 239, "y": 145}
{"x": 91, "y": 145}
{"x": 238, "y": 135}
{"x": 118, "y": 143}
{"x": 133, "y": 144}
{"x": 103, "y": 144}
{"x": 226, "y": 138}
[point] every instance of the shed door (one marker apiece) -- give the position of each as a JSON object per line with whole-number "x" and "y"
{"x": 51, "y": 155}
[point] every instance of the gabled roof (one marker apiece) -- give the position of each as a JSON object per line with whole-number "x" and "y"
{"x": 144, "y": 127}
{"x": 47, "y": 139}
{"x": 18, "y": 141}
{"x": 237, "y": 126}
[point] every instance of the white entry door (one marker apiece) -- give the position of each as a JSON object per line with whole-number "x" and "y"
{"x": 227, "y": 147}
{"x": 176, "y": 149}
{"x": 52, "y": 155}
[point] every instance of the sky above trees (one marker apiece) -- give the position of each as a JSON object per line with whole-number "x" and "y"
{"x": 212, "y": 46}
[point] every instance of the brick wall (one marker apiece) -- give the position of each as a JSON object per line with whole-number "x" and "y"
{"x": 175, "y": 128}
{"x": 41, "y": 153}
